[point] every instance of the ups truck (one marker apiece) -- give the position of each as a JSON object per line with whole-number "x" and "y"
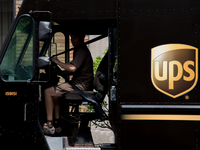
{"x": 150, "y": 74}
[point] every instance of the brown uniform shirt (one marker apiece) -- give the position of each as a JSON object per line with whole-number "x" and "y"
{"x": 82, "y": 59}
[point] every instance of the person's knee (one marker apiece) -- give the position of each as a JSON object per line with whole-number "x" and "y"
{"x": 46, "y": 91}
{"x": 50, "y": 91}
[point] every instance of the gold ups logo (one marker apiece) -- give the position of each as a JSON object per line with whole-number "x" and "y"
{"x": 174, "y": 68}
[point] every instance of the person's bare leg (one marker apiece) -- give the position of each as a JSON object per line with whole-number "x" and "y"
{"x": 50, "y": 94}
{"x": 56, "y": 108}
{"x": 57, "y": 115}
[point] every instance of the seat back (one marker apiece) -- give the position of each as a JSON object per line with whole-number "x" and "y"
{"x": 100, "y": 83}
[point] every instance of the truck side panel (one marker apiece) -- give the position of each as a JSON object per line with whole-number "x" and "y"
{"x": 148, "y": 118}
{"x": 144, "y": 26}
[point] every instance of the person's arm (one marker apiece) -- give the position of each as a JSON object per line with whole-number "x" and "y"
{"x": 69, "y": 68}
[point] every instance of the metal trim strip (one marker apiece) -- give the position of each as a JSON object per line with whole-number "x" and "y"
{"x": 160, "y": 106}
{"x": 160, "y": 117}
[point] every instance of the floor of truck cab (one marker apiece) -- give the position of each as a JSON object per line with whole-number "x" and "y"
{"x": 62, "y": 143}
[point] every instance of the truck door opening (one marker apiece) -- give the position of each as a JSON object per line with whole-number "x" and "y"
{"x": 72, "y": 115}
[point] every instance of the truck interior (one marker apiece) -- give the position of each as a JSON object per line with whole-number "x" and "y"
{"x": 70, "y": 102}
{"x": 74, "y": 122}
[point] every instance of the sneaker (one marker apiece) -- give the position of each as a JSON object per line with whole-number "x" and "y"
{"x": 47, "y": 130}
{"x": 57, "y": 126}
{"x": 58, "y": 130}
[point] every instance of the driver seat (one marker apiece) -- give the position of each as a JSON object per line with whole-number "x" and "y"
{"x": 75, "y": 99}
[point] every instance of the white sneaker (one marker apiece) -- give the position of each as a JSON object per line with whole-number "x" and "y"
{"x": 47, "y": 130}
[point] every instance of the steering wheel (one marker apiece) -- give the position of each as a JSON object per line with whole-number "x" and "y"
{"x": 58, "y": 71}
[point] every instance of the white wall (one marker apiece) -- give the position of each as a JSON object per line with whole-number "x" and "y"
{"x": 97, "y": 48}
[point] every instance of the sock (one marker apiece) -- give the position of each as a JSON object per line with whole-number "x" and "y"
{"x": 57, "y": 122}
{"x": 50, "y": 123}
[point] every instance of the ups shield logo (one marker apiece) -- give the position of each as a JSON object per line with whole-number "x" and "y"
{"x": 174, "y": 68}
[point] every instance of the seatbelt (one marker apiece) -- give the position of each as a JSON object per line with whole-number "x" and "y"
{"x": 88, "y": 42}
{"x": 97, "y": 107}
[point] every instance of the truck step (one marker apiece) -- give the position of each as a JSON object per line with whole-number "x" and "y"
{"x": 81, "y": 148}
{"x": 57, "y": 143}
{"x": 61, "y": 143}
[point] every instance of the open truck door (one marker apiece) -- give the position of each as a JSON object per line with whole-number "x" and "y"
{"x": 18, "y": 95}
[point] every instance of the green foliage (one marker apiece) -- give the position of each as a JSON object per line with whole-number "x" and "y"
{"x": 98, "y": 60}
{"x": 96, "y": 63}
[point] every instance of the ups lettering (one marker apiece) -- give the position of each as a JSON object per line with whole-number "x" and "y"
{"x": 173, "y": 71}
{"x": 174, "y": 68}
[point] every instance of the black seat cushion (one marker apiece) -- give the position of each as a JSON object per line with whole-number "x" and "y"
{"x": 76, "y": 97}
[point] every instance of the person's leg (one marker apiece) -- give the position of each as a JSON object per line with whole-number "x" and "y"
{"x": 60, "y": 90}
{"x": 56, "y": 108}
{"x": 50, "y": 95}
{"x": 51, "y": 99}
{"x": 48, "y": 127}
{"x": 51, "y": 103}
{"x": 57, "y": 123}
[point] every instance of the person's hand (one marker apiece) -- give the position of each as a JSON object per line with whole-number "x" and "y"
{"x": 55, "y": 59}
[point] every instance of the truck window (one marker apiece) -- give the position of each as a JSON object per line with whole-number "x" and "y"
{"x": 17, "y": 63}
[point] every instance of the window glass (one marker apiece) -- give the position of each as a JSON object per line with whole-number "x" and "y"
{"x": 17, "y": 63}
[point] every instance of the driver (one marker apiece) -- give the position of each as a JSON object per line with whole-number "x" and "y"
{"x": 81, "y": 67}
